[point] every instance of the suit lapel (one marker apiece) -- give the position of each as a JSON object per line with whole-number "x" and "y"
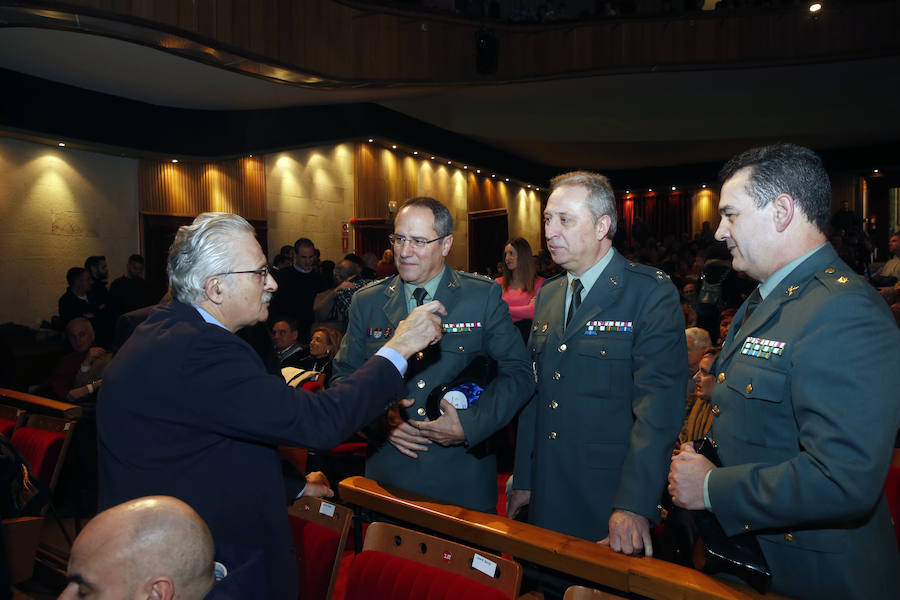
{"x": 789, "y": 289}
{"x": 602, "y": 295}
{"x": 395, "y": 309}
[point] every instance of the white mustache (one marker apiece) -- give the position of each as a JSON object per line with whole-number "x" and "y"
{"x": 267, "y": 296}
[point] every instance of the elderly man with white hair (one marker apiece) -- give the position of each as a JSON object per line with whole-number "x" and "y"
{"x": 188, "y": 410}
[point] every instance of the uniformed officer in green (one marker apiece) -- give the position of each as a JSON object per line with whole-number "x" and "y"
{"x": 610, "y": 360}
{"x": 805, "y": 408}
{"x": 444, "y": 458}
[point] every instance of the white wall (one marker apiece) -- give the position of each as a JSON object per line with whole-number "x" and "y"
{"x": 57, "y": 207}
{"x": 309, "y": 193}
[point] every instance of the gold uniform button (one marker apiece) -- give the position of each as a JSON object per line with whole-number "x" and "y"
{"x": 461, "y": 348}
{"x": 563, "y": 348}
{"x": 829, "y": 270}
{"x": 420, "y": 383}
{"x": 721, "y": 377}
{"x": 789, "y": 537}
{"x": 421, "y": 412}
{"x": 749, "y": 388}
{"x": 420, "y": 355}
{"x": 554, "y": 405}
{"x": 552, "y": 435}
{"x": 602, "y": 353}
{"x": 715, "y": 410}
{"x": 557, "y": 376}
{"x": 747, "y": 527}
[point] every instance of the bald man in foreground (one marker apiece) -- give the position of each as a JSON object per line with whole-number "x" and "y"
{"x": 152, "y": 547}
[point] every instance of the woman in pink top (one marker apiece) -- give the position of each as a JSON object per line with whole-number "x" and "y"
{"x": 520, "y": 283}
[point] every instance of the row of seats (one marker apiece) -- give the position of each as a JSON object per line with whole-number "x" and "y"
{"x": 397, "y": 563}
{"x": 41, "y": 430}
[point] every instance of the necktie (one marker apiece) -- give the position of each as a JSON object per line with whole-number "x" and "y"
{"x": 419, "y": 294}
{"x": 752, "y": 302}
{"x": 576, "y": 300}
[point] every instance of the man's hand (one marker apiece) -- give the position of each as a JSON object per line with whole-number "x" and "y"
{"x": 420, "y": 329}
{"x": 629, "y": 533}
{"x": 317, "y": 485}
{"x": 516, "y": 500}
{"x": 686, "y": 477}
{"x": 403, "y": 436}
{"x": 445, "y": 430}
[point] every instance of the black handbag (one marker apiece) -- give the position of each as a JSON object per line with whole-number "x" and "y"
{"x": 712, "y": 550}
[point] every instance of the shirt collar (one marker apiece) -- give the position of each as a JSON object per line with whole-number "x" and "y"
{"x": 430, "y": 286}
{"x": 208, "y": 317}
{"x": 590, "y": 277}
{"x": 301, "y": 270}
{"x": 769, "y": 285}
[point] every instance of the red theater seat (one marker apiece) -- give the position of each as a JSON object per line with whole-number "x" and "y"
{"x": 320, "y": 530}
{"x": 41, "y": 448}
{"x": 402, "y": 564}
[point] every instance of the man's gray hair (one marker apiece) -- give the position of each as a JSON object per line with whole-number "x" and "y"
{"x": 601, "y": 200}
{"x": 697, "y": 338}
{"x": 201, "y": 250}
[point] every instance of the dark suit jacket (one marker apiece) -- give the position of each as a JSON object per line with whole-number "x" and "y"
{"x": 461, "y": 474}
{"x": 188, "y": 410}
{"x": 806, "y": 432}
{"x": 294, "y": 298}
{"x": 599, "y": 433}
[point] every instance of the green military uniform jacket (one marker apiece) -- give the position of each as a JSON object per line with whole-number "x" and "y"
{"x": 805, "y": 413}
{"x": 599, "y": 433}
{"x": 477, "y": 324}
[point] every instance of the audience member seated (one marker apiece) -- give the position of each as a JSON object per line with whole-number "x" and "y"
{"x": 78, "y": 375}
{"x": 130, "y": 291}
{"x": 333, "y": 306}
{"x": 697, "y": 342}
{"x": 520, "y": 283}
{"x": 725, "y": 320}
{"x": 386, "y": 266}
{"x": 699, "y": 411}
{"x": 75, "y": 302}
{"x": 152, "y": 547}
{"x": 315, "y": 366}
{"x": 370, "y": 264}
{"x": 284, "y": 337}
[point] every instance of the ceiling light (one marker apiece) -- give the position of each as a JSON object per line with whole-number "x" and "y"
{"x": 432, "y": 158}
{"x": 493, "y": 175}
{"x": 627, "y": 191}
{"x": 394, "y": 146}
{"x": 174, "y": 160}
{"x": 674, "y": 188}
{"x": 415, "y": 151}
{"x": 507, "y": 178}
{"x": 649, "y": 189}
{"x": 529, "y": 186}
{"x": 371, "y": 140}
{"x": 703, "y": 186}
{"x": 465, "y": 166}
{"x": 815, "y": 7}
{"x": 63, "y": 145}
{"x": 538, "y": 189}
{"x": 873, "y": 170}
{"x": 449, "y": 163}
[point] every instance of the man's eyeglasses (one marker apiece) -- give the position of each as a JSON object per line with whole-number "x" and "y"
{"x": 399, "y": 240}
{"x": 262, "y": 273}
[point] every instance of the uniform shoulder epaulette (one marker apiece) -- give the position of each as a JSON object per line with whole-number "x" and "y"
{"x": 555, "y": 277}
{"x": 647, "y": 271}
{"x": 838, "y": 279}
{"x": 475, "y": 276}
{"x": 376, "y": 283}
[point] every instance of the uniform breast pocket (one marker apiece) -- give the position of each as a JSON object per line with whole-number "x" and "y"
{"x": 767, "y": 415}
{"x": 468, "y": 342}
{"x": 606, "y": 365}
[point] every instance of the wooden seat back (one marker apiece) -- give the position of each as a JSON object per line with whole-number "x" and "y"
{"x": 401, "y": 563}
{"x": 320, "y": 529}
